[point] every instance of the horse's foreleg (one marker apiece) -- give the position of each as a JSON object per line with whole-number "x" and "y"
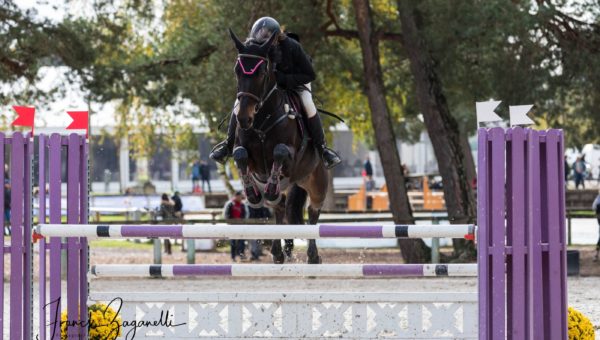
{"x": 281, "y": 157}
{"x": 276, "y": 251}
{"x": 240, "y": 156}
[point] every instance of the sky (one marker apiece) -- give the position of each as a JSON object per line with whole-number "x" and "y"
{"x": 74, "y": 99}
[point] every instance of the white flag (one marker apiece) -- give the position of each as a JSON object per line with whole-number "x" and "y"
{"x": 518, "y": 115}
{"x": 485, "y": 111}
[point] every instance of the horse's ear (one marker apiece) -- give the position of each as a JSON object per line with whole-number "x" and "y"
{"x": 238, "y": 44}
{"x": 267, "y": 44}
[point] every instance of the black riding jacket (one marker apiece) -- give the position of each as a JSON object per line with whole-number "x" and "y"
{"x": 295, "y": 67}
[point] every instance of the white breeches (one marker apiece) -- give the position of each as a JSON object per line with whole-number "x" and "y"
{"x": 307, "y": 101}
{"x": 305, "y": 96}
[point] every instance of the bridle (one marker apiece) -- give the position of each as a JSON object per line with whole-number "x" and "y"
{"x": 261, "y": 131}
{"x": 263, "y": 98}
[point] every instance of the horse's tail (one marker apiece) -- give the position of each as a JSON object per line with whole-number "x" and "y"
{"x": 296, "y": 200}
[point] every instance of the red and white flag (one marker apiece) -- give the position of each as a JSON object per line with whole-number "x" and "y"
{"x": 25, "y": 116}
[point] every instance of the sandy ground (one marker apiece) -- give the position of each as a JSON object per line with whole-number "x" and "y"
{"x": 583, "y": 291}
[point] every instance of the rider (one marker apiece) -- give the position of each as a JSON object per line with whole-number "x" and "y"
{"x": 293, "y": 72}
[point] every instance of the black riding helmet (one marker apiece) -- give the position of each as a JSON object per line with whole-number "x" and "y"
{"x": 263, "y": 28}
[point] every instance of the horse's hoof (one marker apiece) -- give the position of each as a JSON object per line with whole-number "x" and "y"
{"x": 272, "y": 192}
{"x": 278, "y": 259}
{"x": 272, "y": 202}
{"x": 255, "y": 199}
{"x": 317, "y": 260}
{"x": 258, "y": 205}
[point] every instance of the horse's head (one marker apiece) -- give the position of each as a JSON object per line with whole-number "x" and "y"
{"x": 254, "y": 74}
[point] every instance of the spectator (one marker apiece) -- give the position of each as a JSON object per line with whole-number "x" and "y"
{"x": 369, "y": 183}
{"x": 596, "y": 208}
{"x": 6, "y": 227}
{"x": 167, "y": 208}
{"x": 205, "y": 175}
{"x": 598, "y": 172}
{"x": 369, "y": 186}
{"x": 579, "y": 172}
{"x": 167, "y": 212}
{"x": 177, "y": 205}
{"x": 567, "y": 169}
{"x": 195, "y": 175}
{"x": 107, "y": 178}
{"x": 256, "y": 245}
{"x": 368, "y": 167}
{"x": 405, "y": 171}
{"x": 236, "y": 209}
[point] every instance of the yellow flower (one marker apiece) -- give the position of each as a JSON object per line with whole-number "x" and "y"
{"x": 103, "y": 321}
{"x": 580, "y": 327}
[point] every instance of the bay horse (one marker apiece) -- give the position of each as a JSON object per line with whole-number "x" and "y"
{"x": 278, "y": 164}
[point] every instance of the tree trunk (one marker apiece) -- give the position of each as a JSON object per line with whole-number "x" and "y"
{"x": 443, "y": 129}
{"x": 413, "y": 250}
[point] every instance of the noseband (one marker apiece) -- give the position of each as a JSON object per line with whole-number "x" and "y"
{"x": 263, "y": 98}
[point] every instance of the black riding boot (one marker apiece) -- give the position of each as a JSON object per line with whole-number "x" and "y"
{"x": 315, "y": 129}
{"x": 223, "y": 150}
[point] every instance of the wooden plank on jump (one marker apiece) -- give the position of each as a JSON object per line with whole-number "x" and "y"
{"x": 301, "y": 315}
{"x": 554, "y": 181}
{"x": 516, "y": 166}
{"x": 537, "y": 329}
{"x": 2, "y": 224}
{"x": 17, "y": 253}
{"x": 73, "y": 278}
{"x": 54, "y": 192}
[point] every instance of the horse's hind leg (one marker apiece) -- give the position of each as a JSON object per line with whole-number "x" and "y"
{"x": 294, "y": 212}
{"x": 313, "y": 252}
{"x": 276, "y": 251}
{"x": 288, "y": 247}
{"x": 240, "y": 156}
{"x": 281, "y": 158}
{"x": 317, "y": 190}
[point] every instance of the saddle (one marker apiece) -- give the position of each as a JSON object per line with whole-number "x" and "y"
{"x": 295, "y": 110}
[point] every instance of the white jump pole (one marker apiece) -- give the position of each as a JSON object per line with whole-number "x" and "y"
{"x": 285, "y": 270}
{"x": 258, "y": 232}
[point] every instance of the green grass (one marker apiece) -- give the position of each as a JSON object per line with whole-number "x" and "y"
{"x": 582, "y": 213}
{"x": 121, "y": 244}
{"x": 116, "y": 218}
{"x": 103, "y": 219}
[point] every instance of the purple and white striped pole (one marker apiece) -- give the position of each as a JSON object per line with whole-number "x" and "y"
{"x": 285, "y": 270}
{"x": 258, "y": 232}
